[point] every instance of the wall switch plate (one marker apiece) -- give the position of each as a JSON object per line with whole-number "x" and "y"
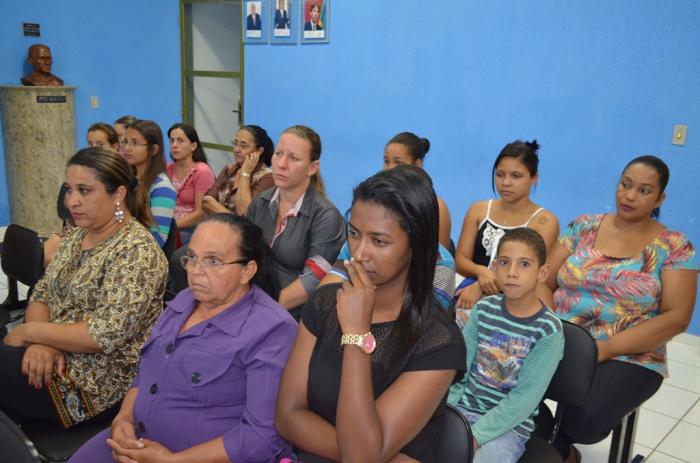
{"x": 94, "y": 102}
{"x": 679, "y": 133}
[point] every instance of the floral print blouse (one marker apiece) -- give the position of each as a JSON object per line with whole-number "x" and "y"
{"x": 117, "y": 287}
{"x": 606, "y": 295}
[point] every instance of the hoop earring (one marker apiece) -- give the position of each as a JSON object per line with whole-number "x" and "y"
{"x": 118, "y": 213}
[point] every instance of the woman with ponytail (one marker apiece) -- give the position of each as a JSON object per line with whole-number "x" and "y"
{"x": 246, "y": 177}
{"x": 215, "y": 359}
{"x": 303, "y": 228}
{"x": 513, "y": 175}
{"x": 409, "y": 148}
{"x": 77, "y": 352}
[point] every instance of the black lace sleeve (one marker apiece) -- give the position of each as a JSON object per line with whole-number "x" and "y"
{"x": 315, "y": 311}
{"x": 441, "y": 347}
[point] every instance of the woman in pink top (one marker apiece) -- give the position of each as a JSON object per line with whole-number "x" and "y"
{"x": 191, "y": 177}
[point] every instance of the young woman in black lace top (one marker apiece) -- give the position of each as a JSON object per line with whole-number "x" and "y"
{"x": 374, "y": 357}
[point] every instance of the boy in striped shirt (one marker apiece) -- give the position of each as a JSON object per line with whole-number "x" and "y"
{"x": 514, "y": 344}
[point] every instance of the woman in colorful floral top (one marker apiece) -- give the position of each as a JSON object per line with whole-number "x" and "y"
{"x": 631, "y": 283}
{"x": 77, "y": 352}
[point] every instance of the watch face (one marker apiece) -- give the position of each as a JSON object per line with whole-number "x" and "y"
{"x": 369, "y": 343}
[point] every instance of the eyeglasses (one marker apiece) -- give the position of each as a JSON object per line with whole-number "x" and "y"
{"x": 132, "y": 143}
{"x": 208, "y": 262}
{"x": 241, "y": 145}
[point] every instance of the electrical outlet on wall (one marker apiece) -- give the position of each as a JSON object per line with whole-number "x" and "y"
{"x": 679, "y": 133}
{"x": 94, "y": 102}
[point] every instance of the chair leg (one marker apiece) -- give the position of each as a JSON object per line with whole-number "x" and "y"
{"x": 623, "y": 439}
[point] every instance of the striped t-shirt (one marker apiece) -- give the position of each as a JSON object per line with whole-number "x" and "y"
{"x": 510, "y": 362}
{"x": 162, "y": 195}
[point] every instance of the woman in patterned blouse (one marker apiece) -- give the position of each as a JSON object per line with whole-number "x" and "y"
{"x": 630, "y": 282}
{"x": 76, "y": 354}
{"x": 246, "y": 177}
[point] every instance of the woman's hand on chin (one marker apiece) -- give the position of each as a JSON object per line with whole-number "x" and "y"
{"x": 355, "y": 300}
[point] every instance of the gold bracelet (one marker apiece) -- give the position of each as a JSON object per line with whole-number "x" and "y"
{"x": 243, "y": 174}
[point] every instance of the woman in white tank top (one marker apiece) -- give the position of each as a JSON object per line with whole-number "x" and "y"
{"x": 514, "y": 174}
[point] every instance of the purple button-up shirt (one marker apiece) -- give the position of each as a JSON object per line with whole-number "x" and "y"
{"x": 218, "y": 378}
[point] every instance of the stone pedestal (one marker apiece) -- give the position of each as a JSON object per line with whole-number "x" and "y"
{"x": 39, "y": 138}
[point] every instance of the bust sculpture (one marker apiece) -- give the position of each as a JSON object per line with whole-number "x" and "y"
{"x": 39, "y": 56}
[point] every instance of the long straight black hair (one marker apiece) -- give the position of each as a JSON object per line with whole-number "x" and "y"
{"x": 407, "y": 193}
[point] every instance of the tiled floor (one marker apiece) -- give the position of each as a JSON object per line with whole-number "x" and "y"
{"x": 668, "y": 430}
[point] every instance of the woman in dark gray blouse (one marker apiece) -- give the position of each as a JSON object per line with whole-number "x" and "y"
{"x": 303, "y": 228}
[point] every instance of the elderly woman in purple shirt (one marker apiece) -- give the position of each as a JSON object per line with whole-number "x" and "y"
{"x": 208, "y": 377}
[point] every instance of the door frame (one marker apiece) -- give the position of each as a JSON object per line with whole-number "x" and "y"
{"x": 188, "y": 73}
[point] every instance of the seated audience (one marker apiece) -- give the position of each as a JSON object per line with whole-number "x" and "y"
{"x": 238, "y": 183}
{"x": 303, "y": 228}
{"x": 76, "y": 354}
{"x": 632, "y": 283}
{"x": 381, "y": 395}
{"x": 120, "y": 126}
{"x": 102, "y": 135}
{"x": 407, "y": 148}
{"x": 514, "y": 344}
{"x": 209, "y": 373}
{"x": 191, "y": 177}
{"x": 514, "y": 174}
{"x": 143, "y": 150}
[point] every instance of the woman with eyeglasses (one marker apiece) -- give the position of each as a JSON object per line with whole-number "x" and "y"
{"x": 120, "y": 126}
{"x": 143, "y": 150}
{"x": 238, "y": 183}
{"x": 246, "y": 177}
{"x": 209, "y": 374}
{"x": 191, "y": 176}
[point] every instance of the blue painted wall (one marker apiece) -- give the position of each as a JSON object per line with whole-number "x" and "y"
{"x": 597, "y": 83}
{"x": 126, "y": 52}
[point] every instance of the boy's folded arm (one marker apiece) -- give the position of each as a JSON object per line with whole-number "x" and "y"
{"x": 533, "y": 379}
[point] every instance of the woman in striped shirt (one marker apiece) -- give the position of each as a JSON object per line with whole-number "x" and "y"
{"x": 143, "y": 150}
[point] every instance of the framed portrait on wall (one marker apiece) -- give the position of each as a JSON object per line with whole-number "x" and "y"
{"x": 315, "y": 20}
{"x": 254, "y": 28}
{"x": 284, "y": 25}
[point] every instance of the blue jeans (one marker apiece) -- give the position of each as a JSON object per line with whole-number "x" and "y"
{"x": 506, "y": 448}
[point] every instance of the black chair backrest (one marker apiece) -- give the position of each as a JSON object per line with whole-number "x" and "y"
{"x": 455, "y": 442}
{"x": 13, "y": 445}
{"x": 573, "y": 378}
{"x": 22, "y": 255}
{"x": 169, "y": 245}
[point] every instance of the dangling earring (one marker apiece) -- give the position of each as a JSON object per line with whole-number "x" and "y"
{"x": 118, "y": 213}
